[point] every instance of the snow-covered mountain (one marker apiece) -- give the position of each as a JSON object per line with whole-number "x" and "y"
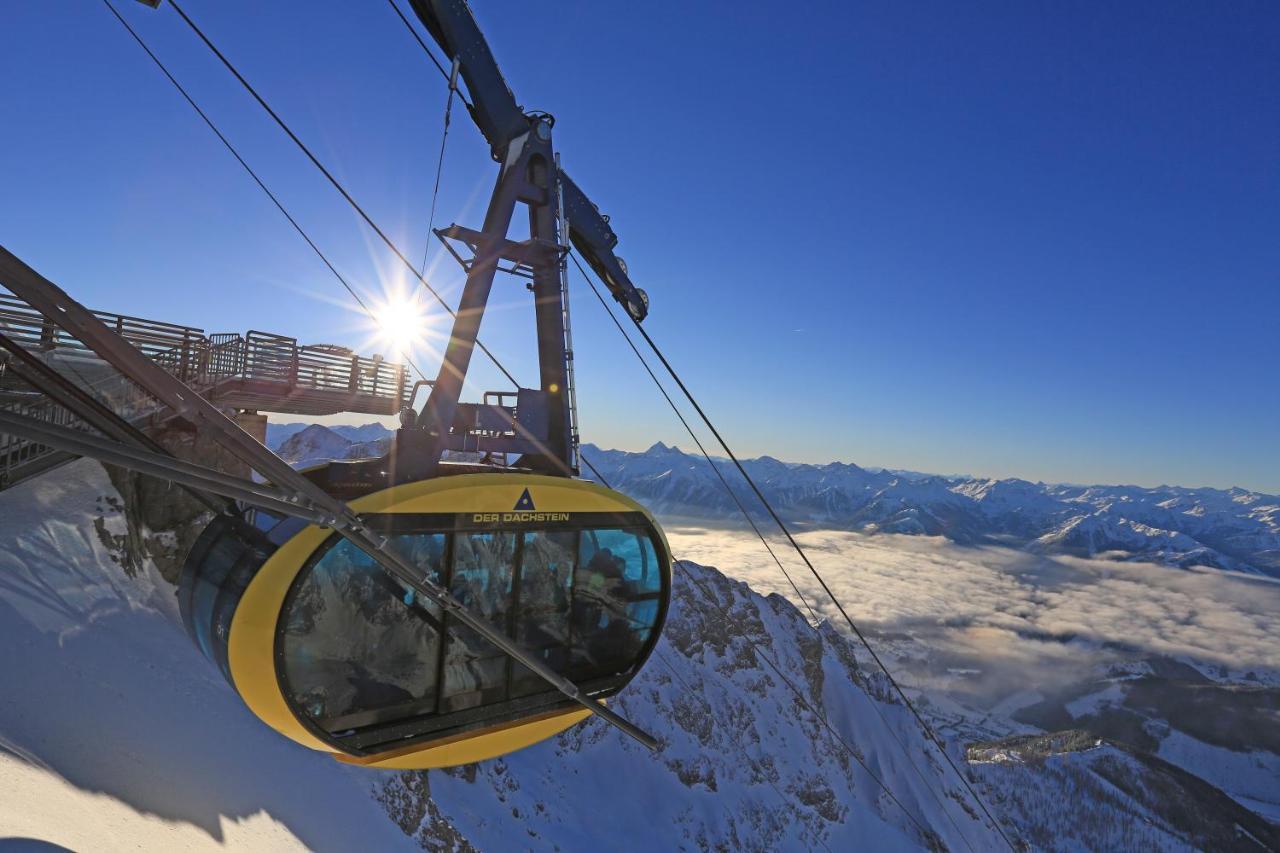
{"x": 277, "y": 434}
{"x": 316, "y": 443}
{"x": 1230, "y": 529}
{"x": 117, "y": 734}
{"x": 1118, "y": 790}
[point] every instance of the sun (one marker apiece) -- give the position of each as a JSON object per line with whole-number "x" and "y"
{"x": 401, "y": 324}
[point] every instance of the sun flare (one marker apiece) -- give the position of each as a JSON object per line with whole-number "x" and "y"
{"x": 401, "y": 324}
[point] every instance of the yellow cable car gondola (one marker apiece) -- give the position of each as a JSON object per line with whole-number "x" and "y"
{"x": 407, "y": 611}
{"x": 329, "y": 650}
{"x": 565, "y": 583}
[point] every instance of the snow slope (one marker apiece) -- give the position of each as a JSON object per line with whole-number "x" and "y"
{"x": 278, "y": 433}
{"x": 743, "y": 762}
{"x": 317, "y": 443}
{"x": 114, "y": 732}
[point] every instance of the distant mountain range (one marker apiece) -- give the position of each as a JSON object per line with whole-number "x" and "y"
{"x": 1231, "y": 529}
{"x": 307, "y": 444}
{"x": 278, "y": 434}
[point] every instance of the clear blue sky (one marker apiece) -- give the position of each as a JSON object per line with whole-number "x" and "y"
{"x": 1012, "y": 239}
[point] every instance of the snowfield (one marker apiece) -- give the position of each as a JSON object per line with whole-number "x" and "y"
{"x": 116, "y": 733}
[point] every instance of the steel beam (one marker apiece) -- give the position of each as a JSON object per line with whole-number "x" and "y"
{"x": 86, "y": 407}
{"x": 161, "y": 465}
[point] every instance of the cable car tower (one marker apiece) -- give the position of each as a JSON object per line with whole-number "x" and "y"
{"x": 541, "y": 426}
{"x": 417, "y": 611}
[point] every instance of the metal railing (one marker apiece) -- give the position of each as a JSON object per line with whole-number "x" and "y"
{"x": 270, "y": 364}
{"x": 18, "y": 455}
{"x": 29, "y": 327}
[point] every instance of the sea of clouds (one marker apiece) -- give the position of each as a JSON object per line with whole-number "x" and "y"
{"x": 988, "y": 623}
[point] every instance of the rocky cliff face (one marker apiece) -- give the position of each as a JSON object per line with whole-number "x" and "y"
{"x": 745, "y": 763}
{"x": 163, "y": 520}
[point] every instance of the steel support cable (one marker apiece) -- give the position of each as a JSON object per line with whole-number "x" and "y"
{"x": 902, "y": 746}
{"x": 435, "y": 192}
{"x": 599, "y": 476}
{"x": 252, "y": 174}
{"x": 391, "y": 245}
{"x": 315, "y": 161}
{"x": 422, "y": 44}
{"x": 798, "y": 694}
{"x": 928, "y": 730}
{"x": 693, "y": 436}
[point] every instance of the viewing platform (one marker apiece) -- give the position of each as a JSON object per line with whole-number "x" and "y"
{"x": 248, "y": 373}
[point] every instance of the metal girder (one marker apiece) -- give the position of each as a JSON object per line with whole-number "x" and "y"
{"x": 93, "y": 412}
{"x": 199, "y": 478}
{"x": 494, "y": 108}
{"x": 501, "y": 120}
{"x": 594, "y": 239}
{"x": 78, "y": 321}
{"x": 526, "y": 254}
{"x": 526, "y": 175}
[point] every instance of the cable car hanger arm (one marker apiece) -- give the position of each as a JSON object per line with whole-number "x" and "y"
{"x": 593, "y": 238}
{"x": 493, "y": 107}
{"x": 502, "y": 120}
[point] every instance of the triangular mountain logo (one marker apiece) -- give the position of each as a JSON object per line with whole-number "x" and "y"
{"x": 525, "y": 502}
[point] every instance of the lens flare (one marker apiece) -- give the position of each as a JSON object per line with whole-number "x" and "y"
{"x": 402, "y": 322}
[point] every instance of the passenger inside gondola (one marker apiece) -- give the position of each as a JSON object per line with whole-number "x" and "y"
{"x": 617, "y": 579}
{"x": 542, "y": 618}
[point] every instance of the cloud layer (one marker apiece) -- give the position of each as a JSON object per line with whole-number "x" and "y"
{"x": 988, "y": 621}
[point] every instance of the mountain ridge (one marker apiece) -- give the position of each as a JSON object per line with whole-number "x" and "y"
{"x": 1229, "y": 529}
{"x": 1233, "y": 529}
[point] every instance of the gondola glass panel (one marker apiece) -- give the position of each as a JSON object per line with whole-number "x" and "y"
{"x": 542, "y": 615}
{"x": 475, "y": 670}
{"x": 617, "y": 593}
{"x": 358, "y": 649}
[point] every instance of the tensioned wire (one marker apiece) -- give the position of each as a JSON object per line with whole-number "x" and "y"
{"x": 875, "y": 706}
{"x": 924, "y": 725}
{"x": 252, "y": 174}
{"x": 360, "y": 211}
{"x": 653, "y": 346}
